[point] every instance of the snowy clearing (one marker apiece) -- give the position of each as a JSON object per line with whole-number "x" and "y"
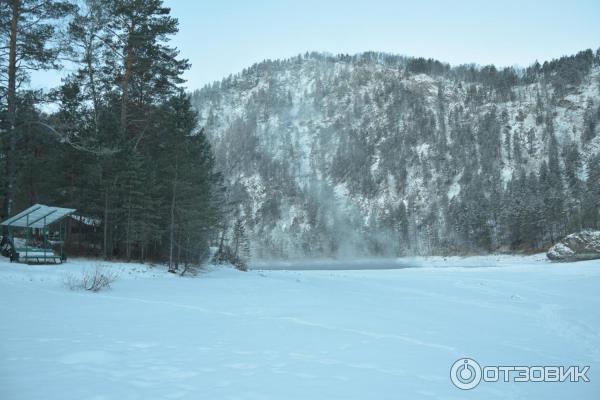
{"x": 335, "y": 334}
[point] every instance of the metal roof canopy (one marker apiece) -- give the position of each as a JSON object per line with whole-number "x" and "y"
{"x": 38, "y": 216}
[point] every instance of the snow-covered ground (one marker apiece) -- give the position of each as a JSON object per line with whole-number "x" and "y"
{"x": 335, "y": 334}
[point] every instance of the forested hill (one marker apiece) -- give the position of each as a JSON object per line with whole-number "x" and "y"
{"x": 383, "y": 154}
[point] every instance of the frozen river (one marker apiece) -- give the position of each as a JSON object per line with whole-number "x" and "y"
{"x": 348, "y": 333}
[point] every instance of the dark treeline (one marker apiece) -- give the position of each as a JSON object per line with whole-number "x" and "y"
{"x": 121, "y": 143}
{"x": 381, "y": 154}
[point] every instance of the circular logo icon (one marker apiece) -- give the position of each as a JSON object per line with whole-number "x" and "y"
{"x": 465, "y": 373}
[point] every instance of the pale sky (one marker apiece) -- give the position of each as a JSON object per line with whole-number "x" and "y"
{"x": 223, "y": 37}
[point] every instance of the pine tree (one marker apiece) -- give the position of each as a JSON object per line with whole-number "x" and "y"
{"x": 148, "y": 68}
{"x": 132, "y": 210}
{"x": 30, "y": 29}
{"x": 89, "y": 46}
{"x": 157, "y": 182}
{"x": 241, "y": 247}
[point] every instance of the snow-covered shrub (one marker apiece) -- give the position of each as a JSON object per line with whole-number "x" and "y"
{"x": 94, "y": 281}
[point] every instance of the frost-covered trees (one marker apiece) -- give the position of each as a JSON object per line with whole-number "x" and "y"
{"x": 591, "y": 197}
{"x": 378, "y": 153}
{"x": 591, "y": 121}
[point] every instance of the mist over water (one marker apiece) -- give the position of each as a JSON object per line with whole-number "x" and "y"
{"x": 368, "y": 264}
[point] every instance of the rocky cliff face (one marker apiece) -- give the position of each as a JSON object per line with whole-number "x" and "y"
{"x": 381, "y": 154}
{"x": 584, "y": 245}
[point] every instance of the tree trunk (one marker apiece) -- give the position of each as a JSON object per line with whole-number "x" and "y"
{"x": 178, "y": 262}
{"x": 126, "y": 78}
{"x": 106, "y": 224}
{"x": 89, "y": 57}
{"x": 222, "y": 240}
{"x": 128, "y": 231}
{"x": 172, "y": 224}
{"x": 12, "y": 111}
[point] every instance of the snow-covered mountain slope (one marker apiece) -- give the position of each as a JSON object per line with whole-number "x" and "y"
{"x": 297, "y": 334}
{"x": 381, "y": 154}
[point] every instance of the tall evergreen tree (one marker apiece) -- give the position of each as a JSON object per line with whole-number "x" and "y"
{"x": 148, "y": 70}
{"x": 29, "y": 33}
